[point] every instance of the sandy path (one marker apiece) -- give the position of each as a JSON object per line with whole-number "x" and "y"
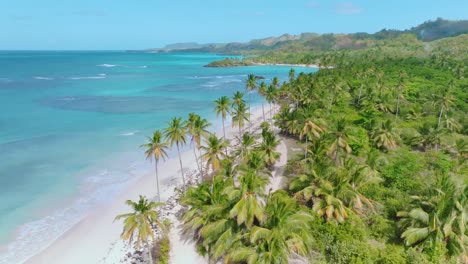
{"x": 277, "y": 177}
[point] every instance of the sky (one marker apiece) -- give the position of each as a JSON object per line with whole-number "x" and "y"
{"x": 141, "y": 24}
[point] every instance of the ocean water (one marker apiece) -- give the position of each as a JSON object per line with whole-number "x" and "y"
{"x": 71, "y": 124}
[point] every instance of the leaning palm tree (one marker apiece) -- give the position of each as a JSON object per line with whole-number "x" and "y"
{"x": 213, "y": 152}
{"x": 138, "y": 224}
{"x": 176, "y": 133}
{"x": 156, "y": 148}
{"x": 240, "y": 116}
{"x": 223, "y": 108}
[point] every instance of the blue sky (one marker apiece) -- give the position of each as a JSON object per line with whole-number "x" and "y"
{"x": 127, "y": 24}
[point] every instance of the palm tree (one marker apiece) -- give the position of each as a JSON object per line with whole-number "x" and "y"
{"x": 249, "y": 207}
{"x": 200, "y": 130}
{"x": 138, "y": 224}
{"x": 247, "y": 142}
{"x": 223, "y": 108}
{"x": 275, "y": 82}
{"x": 283, "y": 235}
{"x": 268, "y": 148}
{"x": 190, "y": 125}
{"x": 239, "y": 116}
{"x": 385, "y": 136}
{"x": 176, "y": 134}
{"x": 262, "y": 90}
{"x": 339, "y": 137}
{"x": 440, "y": 219}
{"x": 428, "y": 136}
{"x": 291, "y": 74}
{"x": 156, "y": 148}
{"x": 445, "y": 100}
{"x": 270, "y": 95}
{"x": 207, "y": 217}
{"x": 250, "y": 86}
{"x": 237, "y": 99}
{"x": 400, "y": 88}
{"x": 213, "y": 152}
{"x": 310, "y": 128}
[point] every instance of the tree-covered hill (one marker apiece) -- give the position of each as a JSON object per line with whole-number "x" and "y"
{"x": 311, "y": 42}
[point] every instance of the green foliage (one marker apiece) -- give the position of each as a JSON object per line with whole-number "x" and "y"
{"x": 392, "y": 254}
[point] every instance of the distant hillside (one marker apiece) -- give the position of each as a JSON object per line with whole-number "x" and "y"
{"x": 440, "y": 28}
{"x": 311, "y": 42}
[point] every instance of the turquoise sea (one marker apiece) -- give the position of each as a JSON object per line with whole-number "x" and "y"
{"x": 71, "y": 124}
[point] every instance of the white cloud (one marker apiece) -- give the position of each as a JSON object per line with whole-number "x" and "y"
{"x": 348, "y": 8}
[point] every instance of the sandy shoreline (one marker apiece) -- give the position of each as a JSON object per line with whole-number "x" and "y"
{"x": 289, "y": 65}
{"x": 96, "y": 239}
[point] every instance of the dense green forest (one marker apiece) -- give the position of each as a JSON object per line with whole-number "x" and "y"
{"x": 382, "y": 178}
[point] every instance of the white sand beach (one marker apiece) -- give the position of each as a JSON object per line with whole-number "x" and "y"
{"x": 96, "y": 239}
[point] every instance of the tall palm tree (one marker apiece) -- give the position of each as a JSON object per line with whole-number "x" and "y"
{"x": 213, "y": 152}
{"x": 200, "y": 130}
{"x": 262, "y": 90}
{"x": 138, "y": 224}
{"x": 156, "y": 148}
{"x": 223, "y": 108}
{"x": 237, "y": 99}
{"x": 445, "y": 100}
{"x": 339, "y": 141}
{"x": 250, "y": 87}
{"x": 310, "y": 128}
{"x": 240, "y": 116}
{"x": 176, "y": 133}
{"x": 270, "y": 96}
{"x": 190, "y": 125}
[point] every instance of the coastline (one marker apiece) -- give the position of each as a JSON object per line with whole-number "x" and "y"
{"x": 289, "y": 65}
{"x": 96, "y": 238}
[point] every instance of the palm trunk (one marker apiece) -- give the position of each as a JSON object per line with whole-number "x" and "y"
{"x": 149, "y": 253}
{"x": 181, "y": 167}
{"x": 397, "y": 108}
{"x": 196, "y": 158}
{"x": 157, "y": 178}
{"x": 201, "y": 165}
{"x": 306, "y": 147}
{"x": 271, "y": 117}
{"x": 224, "y": 132}
{"x": 440, "y": 116}
{"x": 249, "y": 112}
{"x": 263, "y": 112}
